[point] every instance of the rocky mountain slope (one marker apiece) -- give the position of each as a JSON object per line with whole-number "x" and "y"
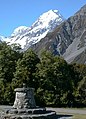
{"x": 27, "y": 36}
{"x": 68, "y": 40}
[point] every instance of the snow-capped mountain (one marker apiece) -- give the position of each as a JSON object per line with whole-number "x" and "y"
{"x": 27, "y": 36}
{"x": 2, "y": 38}
{"x": 68, "y": 39}
{"x": 50, "y": 31}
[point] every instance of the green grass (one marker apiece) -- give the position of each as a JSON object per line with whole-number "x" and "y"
{"x": 79, "y": 116}
{"x": 74, "y": 116}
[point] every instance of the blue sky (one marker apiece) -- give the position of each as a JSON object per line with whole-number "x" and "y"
{"x": 14, "y": 13}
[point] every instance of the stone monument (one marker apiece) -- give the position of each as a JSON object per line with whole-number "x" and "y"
{"x": 24, "y": 98}
{"x": 25, "y": 107}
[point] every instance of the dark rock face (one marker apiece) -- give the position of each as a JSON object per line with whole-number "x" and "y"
{"x": 63, "y": 37}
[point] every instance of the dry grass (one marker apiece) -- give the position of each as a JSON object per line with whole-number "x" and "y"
{"x": 79, "y": 116}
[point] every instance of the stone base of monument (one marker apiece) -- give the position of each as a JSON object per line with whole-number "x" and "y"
{"x": 36, "y": 113}
{"x": 25, "y": 107}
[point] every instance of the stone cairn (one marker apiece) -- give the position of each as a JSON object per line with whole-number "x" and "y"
{"x": 25, "y": 107}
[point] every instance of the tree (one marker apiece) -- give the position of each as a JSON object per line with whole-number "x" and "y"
{"x": 54, "y": 78}
{"x": 26, "y": 67}
{"x": 82, "y": 92}
{"x": 8, "y": 58}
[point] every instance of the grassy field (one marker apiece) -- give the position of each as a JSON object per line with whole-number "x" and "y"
{"x": 73, "y": 116}
{"x": 79, "y": 116}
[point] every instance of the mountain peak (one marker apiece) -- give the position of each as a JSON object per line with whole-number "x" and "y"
{"x": 53, "y": 11}
{"x": 19, "y": 30}
{"x": 51, "y": 17}
{"x": 26, "y": 36}
{"x": 50, "y": 11}
{"x": 51, "y": 14}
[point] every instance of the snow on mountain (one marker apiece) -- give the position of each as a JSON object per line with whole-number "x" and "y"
{"x": 20, "y": 30}
{"x": 27, "y": 36}
{"x": 68, "y": 40}
{"x": 2, "y": 38}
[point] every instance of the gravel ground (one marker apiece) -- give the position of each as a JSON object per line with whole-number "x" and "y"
{"x": 62, "y": 113}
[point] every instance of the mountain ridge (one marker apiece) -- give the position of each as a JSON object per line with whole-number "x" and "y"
{"x": 68, "y": 39}
{"x": 27, "y": 36}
